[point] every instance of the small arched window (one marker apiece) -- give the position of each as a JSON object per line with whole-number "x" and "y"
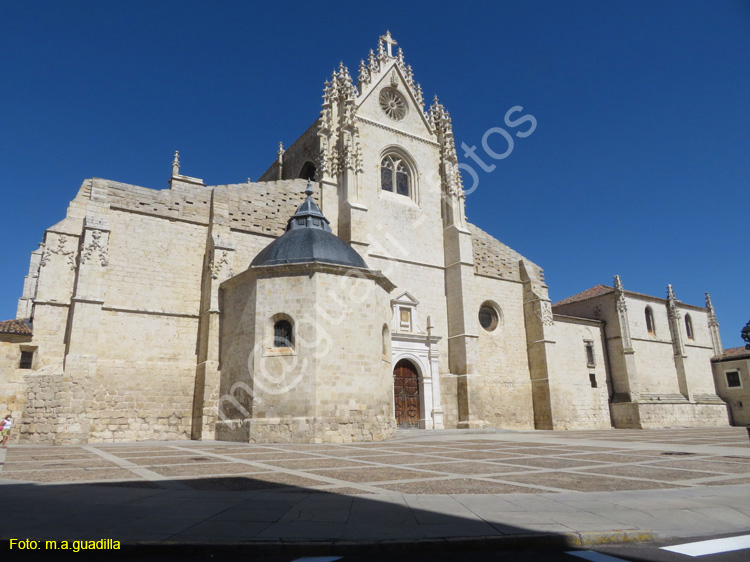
{"x": 308, "y": 171}
{"x": 650, "y": 321}
{"x": 689, "y": 326}
{"x": 282, "y": 334}
{"x": 386, "y": 341}
{"x": 394, "y": 175}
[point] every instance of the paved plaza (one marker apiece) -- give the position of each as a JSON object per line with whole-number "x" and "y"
{"x": 421, "y": 486}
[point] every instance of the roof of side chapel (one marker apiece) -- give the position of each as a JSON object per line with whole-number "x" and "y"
{"x": 19, "y": 327}
{"x": 595, "y": 291}
{"x": 735, "y": 353}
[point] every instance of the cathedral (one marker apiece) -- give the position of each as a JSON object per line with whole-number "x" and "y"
{"x": 341, "y": 296}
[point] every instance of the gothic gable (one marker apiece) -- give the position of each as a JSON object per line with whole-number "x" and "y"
{"x": 392, "y": 101}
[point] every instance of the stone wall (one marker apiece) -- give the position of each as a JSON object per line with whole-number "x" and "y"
{"x": 577, "y": 400}
{"x": 332, "y": 385}
{"x": 736, "y": 397}
{"x": 667, "y": 415}
{"x": 12, "y": 384}
{"x": 502, "y": 381}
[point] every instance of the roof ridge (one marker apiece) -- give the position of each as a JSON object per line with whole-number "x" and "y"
{"x": 590, "y": 293}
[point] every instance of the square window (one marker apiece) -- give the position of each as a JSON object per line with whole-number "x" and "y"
{"x": 27, "y": 358}
{"x": 733, "y": 379}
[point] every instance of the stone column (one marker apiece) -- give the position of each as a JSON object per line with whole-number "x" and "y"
{"x": 433, "y": 362}
{"x": 427, "y": 398}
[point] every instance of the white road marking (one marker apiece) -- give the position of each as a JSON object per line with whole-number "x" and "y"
{"x": 701, "y": 548}
{"x": 593, "y": 556}
{"x": 318, "y": 559}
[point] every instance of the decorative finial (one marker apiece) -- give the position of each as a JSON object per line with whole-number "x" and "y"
{"x": 309, "y": 190}
{"x": 622, "y": 306}
{"x": 176, "y": 163}
{"x": 672, "y": 304}
{"x": 712, "y": 321}
{"x": 709, "y": 305}
{"x": 389, "y": 41}
{"x": 280, "y": 160}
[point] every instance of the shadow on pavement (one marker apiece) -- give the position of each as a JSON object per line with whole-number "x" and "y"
{"x": 198, "y": 518}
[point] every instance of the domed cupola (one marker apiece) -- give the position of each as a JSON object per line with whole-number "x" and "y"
{"x": 308, "y": 238}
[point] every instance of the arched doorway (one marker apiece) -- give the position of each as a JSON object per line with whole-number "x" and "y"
{"x": 406, "y": 394}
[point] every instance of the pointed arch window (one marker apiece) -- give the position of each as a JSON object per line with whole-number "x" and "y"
{"x": 689, "y": 327}
{"x": 650, "y": 326}
{"x": 308, "y": 171}
{"x": 394, "y": 175}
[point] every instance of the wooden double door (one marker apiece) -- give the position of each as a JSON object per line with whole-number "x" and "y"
{"x": 406, "y": 394}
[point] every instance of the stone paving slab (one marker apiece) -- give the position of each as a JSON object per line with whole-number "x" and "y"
{"x": 423, "y": 485}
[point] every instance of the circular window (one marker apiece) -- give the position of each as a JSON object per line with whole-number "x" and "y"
{"x": 488, "y": 318}
{"x": 393, "y": 104}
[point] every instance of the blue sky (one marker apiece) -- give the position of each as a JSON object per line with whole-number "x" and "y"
{"x": 639, "y": 164}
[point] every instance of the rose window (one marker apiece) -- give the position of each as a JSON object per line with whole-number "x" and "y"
{"x": 393, "y": 104}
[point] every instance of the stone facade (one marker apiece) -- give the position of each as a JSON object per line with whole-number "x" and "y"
{"x": 316, "y": 390}
{"x": 732, "y": 379}
{"x": 128, "y": 296}
{"x": 659, "y": 352}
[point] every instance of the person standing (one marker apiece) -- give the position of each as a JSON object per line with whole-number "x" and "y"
{"x": 7, "y": 424}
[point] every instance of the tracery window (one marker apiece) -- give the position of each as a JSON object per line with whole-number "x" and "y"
{"x": 393, "y": 104}
{"x": 394, "y": 175}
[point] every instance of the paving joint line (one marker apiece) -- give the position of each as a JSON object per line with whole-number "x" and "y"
{"x": 292, "y": 472}
{"x": 138, "y": 470}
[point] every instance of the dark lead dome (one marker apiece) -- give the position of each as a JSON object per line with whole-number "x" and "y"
{"x": 308, "y": 238}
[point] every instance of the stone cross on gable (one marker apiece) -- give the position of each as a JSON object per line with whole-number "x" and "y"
{"x": 389, "y": 41}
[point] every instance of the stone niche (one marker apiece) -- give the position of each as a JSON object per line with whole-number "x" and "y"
{"x": 301, "y": 355}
